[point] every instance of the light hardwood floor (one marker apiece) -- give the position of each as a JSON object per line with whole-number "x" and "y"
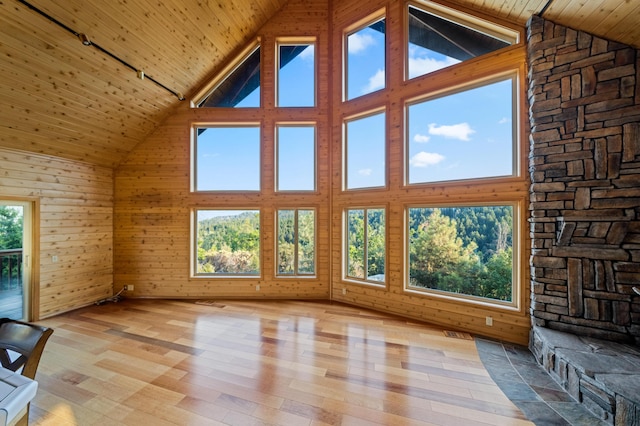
{"x": 159, "y": 362}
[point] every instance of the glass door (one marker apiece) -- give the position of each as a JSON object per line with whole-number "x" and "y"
{"x": 15, "y": 259}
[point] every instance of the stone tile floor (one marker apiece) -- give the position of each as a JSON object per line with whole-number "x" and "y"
{"x": 530, "y": 388}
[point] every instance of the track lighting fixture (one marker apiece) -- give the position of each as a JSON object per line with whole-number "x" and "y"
{"x": 87, "y": 42}
{"x": 84, "y": 39}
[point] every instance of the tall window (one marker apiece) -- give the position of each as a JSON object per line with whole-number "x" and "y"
{"x": 227, "y": 242}
{"x": 296, "y": 75}
{"x": 296, "y": 157}
{"x": 467, "y": 134}
{"x": 227, "y": 158}
{"x": 365, "y": 151}
{"x": 463, "y": 250}
{"x": 365, "y": 59}
{"x": 366, "y": 244}
{"x": 296, "y": 242}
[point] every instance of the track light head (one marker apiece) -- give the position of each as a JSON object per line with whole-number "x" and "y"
{"x": 84, "y": 39}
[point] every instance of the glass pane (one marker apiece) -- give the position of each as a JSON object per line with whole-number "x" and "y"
{"x": 306, "y": 242}
{"x": 228, "y": 242}
{"x": 228, "y": 158}
{"x": 296, "y": 242}
{"x": 365, "y": 244}
{"x": 449, "y": 140}
{"x": 436, "y": 43}
{"x": 296, "y": 76}
{"x": 465, "y": 250}
{"x": 241, "y": 88}
{"x": 366, "y": 60}
{"x": 296, "y": 158}
{"x": 355, "y": 244}
{"x": 366, "y": 152}
{"x": 12, "y": 285}
{"x": 286, "y": 242}
{"x": 375, "y": 244}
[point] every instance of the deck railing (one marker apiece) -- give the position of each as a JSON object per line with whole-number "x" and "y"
{"x": 10, "y": 269}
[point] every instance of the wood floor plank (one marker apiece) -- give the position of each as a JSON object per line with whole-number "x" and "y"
{"x": 238, "y": 362}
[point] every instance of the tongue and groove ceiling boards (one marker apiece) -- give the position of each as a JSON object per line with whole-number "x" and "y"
{"x": 62, "y": 98}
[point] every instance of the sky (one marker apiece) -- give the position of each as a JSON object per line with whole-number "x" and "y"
{"x": 464, "y": 135}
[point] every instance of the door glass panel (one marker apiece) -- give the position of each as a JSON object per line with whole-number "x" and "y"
{"x": 12, "y": 292}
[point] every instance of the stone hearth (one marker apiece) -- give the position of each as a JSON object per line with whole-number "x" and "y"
{"x": 603, "y": 375}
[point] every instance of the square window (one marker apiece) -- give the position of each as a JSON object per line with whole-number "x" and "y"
{"x": 227, "y": 242}
{"x": 466, "y": 251}
{"x": 227, "y": 158}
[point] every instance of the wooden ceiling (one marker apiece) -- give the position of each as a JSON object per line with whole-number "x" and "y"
{"x": 61, "y": 98}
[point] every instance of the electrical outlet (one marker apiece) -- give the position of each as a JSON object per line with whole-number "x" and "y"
{"x": 489, "y": 321}
{"x": 128, "y": 287}
{"x": 257, "y": 287}
{"x": 344, "y": 291}
{"x": 54, "y": 259}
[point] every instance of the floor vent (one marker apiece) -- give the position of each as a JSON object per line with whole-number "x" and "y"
{"x": 458, "y": 335}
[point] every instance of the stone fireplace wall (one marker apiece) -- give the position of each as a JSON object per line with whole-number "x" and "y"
{"x": 584, "y": 97}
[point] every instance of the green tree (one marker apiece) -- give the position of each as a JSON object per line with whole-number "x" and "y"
{"x": 444, "y": 254}
{"x": 229, "y": 244}
{"x": 10, "y": 228}
{"x": 438, "y": 257}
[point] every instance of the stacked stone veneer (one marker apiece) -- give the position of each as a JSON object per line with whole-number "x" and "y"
{"x": 584, "y": 97}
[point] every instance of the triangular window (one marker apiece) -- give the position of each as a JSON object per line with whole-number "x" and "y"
{"x": 239, "y": 87}
{"x": 438, "y": 39}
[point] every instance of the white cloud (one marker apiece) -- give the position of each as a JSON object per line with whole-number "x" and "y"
{"x": 359, "y": 42}
{"x": 418, "y": 138}
{"x": 504, "y": 120}
{"x": 456, "y": 131}
{"x": 421, "y": 66}
{"x": 365, "y": 172}
{"x": 375, "y": 82}
{"x": 425, "y": 159}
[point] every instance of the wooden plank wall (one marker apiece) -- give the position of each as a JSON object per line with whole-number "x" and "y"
{"x": 74, "y": 204}
{"x": 153, "y": 202}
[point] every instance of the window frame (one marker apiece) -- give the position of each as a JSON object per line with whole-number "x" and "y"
{"x": 296, "y": 274}
{"x": 476, "y": 23}
{"x": 345, "y": 246}
{"x": 379, "y": 15}
{"x": 276, "y": 152}
{"x": 194, "y": 155}
{"x": 345, "y": 146}
{"x": 516, "y": 149}
{"x": 193, "y": 243}
{"x": 517, "y": 263}
{"x": 202, "y": 95}
{"x": 295, "y": 41}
